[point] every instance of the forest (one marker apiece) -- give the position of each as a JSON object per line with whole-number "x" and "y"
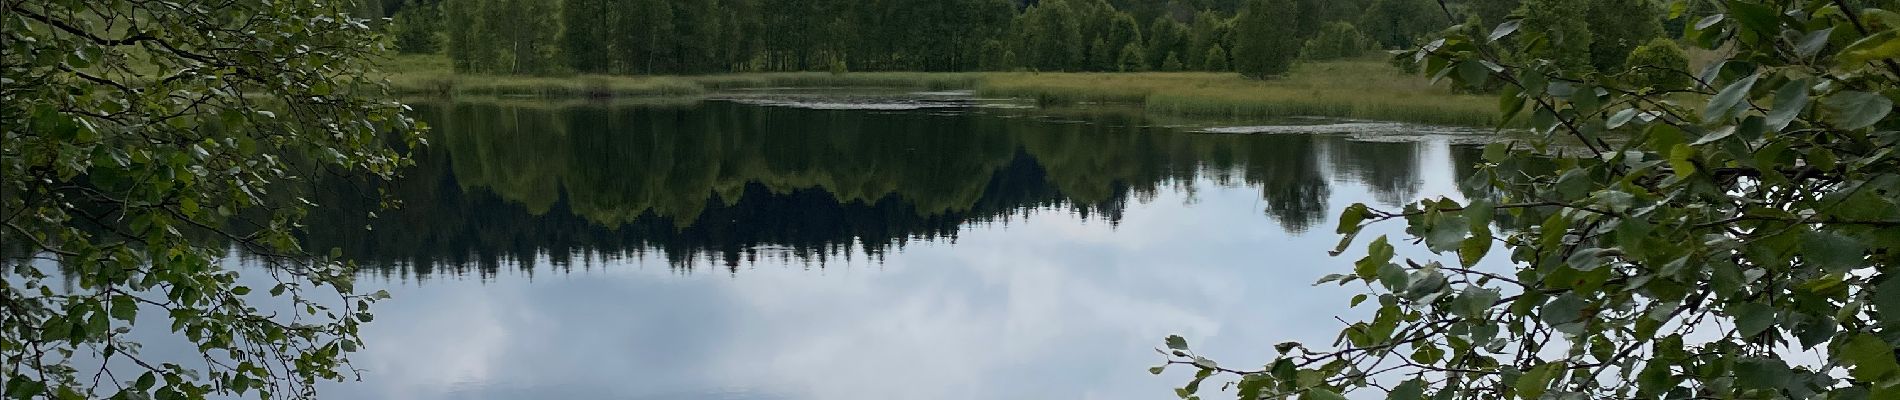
{"x": 724, "y": 36}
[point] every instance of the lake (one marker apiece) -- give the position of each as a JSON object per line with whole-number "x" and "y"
{"x": 855, "y": 246}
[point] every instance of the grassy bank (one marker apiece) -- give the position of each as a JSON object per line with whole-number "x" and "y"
{"x": 1353, "y": 89}
{"x": 420, "y": 75}
{"x": 1365, "y": 88}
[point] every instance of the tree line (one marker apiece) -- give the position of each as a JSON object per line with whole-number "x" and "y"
{"x": 722, "y": 36}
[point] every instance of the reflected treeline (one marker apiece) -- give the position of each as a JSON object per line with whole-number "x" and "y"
{"x": 727, "y": 183}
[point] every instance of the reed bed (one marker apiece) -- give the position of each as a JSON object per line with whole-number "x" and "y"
{"x": 1364, "y": 88}
{"x": 1359, "y": 88}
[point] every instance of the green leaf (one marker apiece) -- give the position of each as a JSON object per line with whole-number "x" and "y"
{"x": 1378, "y": 254}
{"x": 1157, "y": 369}
{"x": 1424, "y": 283}
{"x": 1812, "y": 43}
{"x": 1413, "y": 389}
{"x": 1679, "y": 160}
{"x": 1584, "y": 99}
{"x": 1871, "y": 357}
{"x": 1886, "y": 296}
{"x": 1709, "y": 21}
{"x": 1832, "y": 252}
{"x": 1882, "y": 45}
{"x": 1620, "y": 118}
{"x": 124, "y": 308}
{"x": 1497, "y": 151}
{"x": 1473, "y": 302}
{"x": 1177, "y": 342}
{"x": 1510, "y": 103}
{"x": 1756, "y": 17}
{"x": 1349, "y": 220}
{"x": 1427, "y": 354}
{"x": 1533, "y": 383}
{"x": 1504, "y": 29}
{"x": 1585, "y": 259}
{"x": 1473, "y": 74}
{"x": 1855, "y": 109}
{"x": 145, "y": 381}
{"x": 1656, "y": 377}
{"x": 1474, "y": 249}
{"x": 1447, "y": 233}
{"x": 1564, "y": 309}
{"x": 1762, "y": 373}
{"x": 1790, "y": 100}
{"x": 1394, "y": 277}
{"x": 1752, "y": 318}
{"x": 1251, "y": 385}
{"x": 1725, "y": 102}
{"x": 1321, "y": 394}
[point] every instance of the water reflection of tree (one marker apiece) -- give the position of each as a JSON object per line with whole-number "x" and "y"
{"x": 1389, "y": 169}
{"x": 730, "y": 184}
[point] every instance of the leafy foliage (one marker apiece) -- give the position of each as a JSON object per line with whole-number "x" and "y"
{"x": 1131, "y": 59}
{"x": 146, "y": 140}
{"x": 1690, "y": 243}
{"x": 1336, "y": 40}
{"x": 1264, "y": 43}
{"x": 416, "y": 29}
{"x": 1659, "y": 64}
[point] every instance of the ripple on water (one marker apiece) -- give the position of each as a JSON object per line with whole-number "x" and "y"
{"x": 1359, "y": 130}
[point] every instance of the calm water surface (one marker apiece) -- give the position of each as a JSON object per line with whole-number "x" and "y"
{"x": 790, "y": 248}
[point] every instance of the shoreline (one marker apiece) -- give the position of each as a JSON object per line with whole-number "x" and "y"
{"x": 1358, "y": 88}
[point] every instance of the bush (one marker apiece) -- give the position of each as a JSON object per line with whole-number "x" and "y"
{"x": 415, "y": 30}
{"x": 1336, "y": 40}
{"x": 1264, "y": 42}
{"x": 1655, "y": 64}
{"x": 1131, "y": 59}
{"x": 1216, "y": 59}
{"x": 1172, "y": 63}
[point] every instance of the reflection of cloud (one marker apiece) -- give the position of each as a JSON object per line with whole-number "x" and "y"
{"x": 1048, "y": 307}
{"x": 466, "y": 331}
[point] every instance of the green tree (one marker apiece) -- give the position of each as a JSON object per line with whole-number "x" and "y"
{"x": 1172, "y": 63}
{"x": 153, "y": 139}
{"x": 1659, "y": 64}
{"x": 1101, "y": 58}
{"x": 1264, "y": 44}
{"x": 1122, "y": 31}
{"x": 1617, "y": 27}
{"x": 649, "y": 36}
{"x": 993, "y": 56}
{"x": 1490, "y": 13}
{"x": 1165, "y": 35}
{"x": 583, "y": 22}
{"x": 416, "y": 28}
{"x": 1647, "y": 244}
{"x": 468, "y": 43}
{"x": 1559, "y": 33}
{"x": 1215, "y": 60}
{"x": 1133, "y": 58}
{"x": 1336, "y": 40}
{"x": 1400, "y": 23}
{"x": 1203, "y": 35}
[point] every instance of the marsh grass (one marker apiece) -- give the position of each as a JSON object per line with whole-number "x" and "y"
{"x": 433, "y": 75}
{"x": 1360, "y": 88}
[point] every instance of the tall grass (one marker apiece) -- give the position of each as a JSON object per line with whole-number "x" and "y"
{"x": 1361, "y": 88}
{"x": 515, "y": 86}
{"x": 433, "y": 75}
{"x": 1364, "y": 88}
{"x": 919, "y": 80}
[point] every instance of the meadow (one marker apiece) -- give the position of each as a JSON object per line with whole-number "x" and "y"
{"x": 1365, "y": 88}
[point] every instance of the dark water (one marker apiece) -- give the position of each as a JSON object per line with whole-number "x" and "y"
{"x": 722, "y": 250}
